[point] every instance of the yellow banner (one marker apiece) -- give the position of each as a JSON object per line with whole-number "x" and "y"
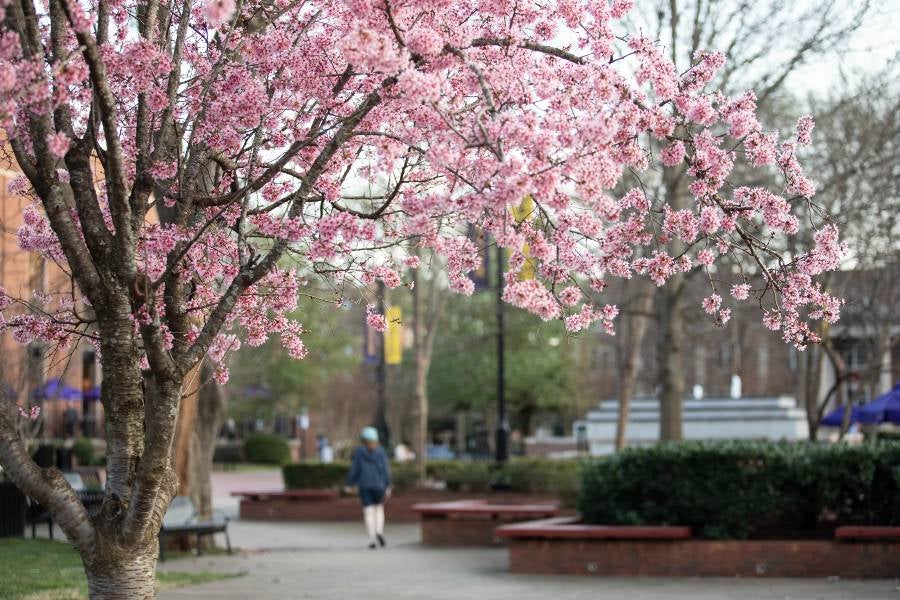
{"x": 527, "y": 271}
{"x": 524, "y": 210}
{"x": 393, "y": 337}
{"x": 520, "y": 213}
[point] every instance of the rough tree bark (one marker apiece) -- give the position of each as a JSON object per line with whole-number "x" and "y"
{"x": 670, "y": 355}
{"x": 184, "y": 430}
{"x": 635, "y": 327}
{"x": 810, "y": 380}
{"x": 211, "y": 402}
{"x": 425, "y": 322}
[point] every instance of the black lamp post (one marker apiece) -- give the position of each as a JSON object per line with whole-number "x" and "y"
{"x": 502, "y": 445}
{"x": 381, "y": 378}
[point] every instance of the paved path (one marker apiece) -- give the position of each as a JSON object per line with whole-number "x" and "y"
{"x": 225, "y": 482}
{"x": 329, "y": 561}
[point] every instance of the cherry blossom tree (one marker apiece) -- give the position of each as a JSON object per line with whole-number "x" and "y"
{"x": 187, "y": 159}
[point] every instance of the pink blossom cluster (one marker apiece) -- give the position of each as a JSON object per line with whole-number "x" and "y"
{"x": 31, "y": 414}
{"x": 374, "y": 319}
{"x": 534, "y": 297}
{"x": 341, "y": 130}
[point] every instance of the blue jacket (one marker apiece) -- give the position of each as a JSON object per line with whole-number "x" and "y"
{"x": 369, "y": 469}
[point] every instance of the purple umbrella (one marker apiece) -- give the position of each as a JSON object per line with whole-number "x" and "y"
{"x": 883, "y": 409}
{"x": 54, "y": 388}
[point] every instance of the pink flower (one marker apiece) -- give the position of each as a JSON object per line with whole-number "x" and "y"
{"x": 375, "y": 321}
{"x": 58, "y": 144}
{"x": 570, "y": 296}
{"x": 740, "y": 291}
{"x": 672, "y": 154}
{"x": 711, "y": 303}
{"x": 32, "y": 413}
{"x": 419, "y": 87}
{"x": 805, "y": 125}
{"x": 218, "y": 12}
{"x": 424, "y": 41}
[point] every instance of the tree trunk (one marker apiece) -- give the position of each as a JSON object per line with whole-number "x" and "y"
{"x": 422, "y": 416}
{"x": 670, "y": 357}
{"x": 526, "y": 417}
{"x": 116, "y": 573}
{"x": 634, "y": 338}
{"x": 421, "y": 382}
{"x": 210, "y": 411}
{"x": 184, "y": 429}
{"x": 810, "y": 388}
{"x": 424, "y": 331}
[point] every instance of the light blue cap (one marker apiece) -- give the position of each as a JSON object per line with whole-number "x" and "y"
{"x": 370, "y": 434}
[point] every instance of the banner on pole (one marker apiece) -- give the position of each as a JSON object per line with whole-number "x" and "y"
{"x": 393, "y": 337}
{"x": 525, "y": 212}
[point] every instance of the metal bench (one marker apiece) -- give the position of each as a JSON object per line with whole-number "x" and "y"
{"x": 91, "y": 498}
{"x": 181, "y": 519}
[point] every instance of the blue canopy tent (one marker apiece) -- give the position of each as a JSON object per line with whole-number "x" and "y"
{"x": 883, "y": 409}
{"x": 54, "y": 388}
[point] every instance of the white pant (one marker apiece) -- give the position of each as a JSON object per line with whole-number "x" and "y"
{"x": 373, "y": 517}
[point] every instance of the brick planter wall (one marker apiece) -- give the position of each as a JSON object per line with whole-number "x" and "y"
{"x": 557, "y": 553}
{"x": 335, "y": 507}
{"x": 472, "y": 523}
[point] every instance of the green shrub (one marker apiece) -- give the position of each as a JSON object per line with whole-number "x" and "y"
{"x": 315, "y": 476}
{"x": 532, "y": 475}
{"x": 83, "y": 449}
{"x": 404, "y": 475}
{"x": 462, "y": 475}
{"x": 267, "y": 448}
{"x": 560, "y": 478}
{"x": 740, "y": 489}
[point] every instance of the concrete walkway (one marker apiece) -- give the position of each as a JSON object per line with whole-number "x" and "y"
{"x": 329, "y": 561}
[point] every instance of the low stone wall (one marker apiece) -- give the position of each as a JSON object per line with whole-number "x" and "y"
{"x": 582, "y": 551}
{"x": 472, "y": 523}
{"x": 326, "y": 505}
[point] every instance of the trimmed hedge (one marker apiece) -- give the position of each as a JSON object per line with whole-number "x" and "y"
{"x": 746, "y": 489}
{"x": 84, "y": 452}
{"x": 533, "y": 475}
{"x": 559, "y": 478}
{"x": 267, "y": 448}
{"x": 314, "y": 475}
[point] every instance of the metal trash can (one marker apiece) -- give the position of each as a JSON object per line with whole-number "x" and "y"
{"x": 12, "y": 510}
{"x": 45, "y": 456}
{"x": 64, "y": 459}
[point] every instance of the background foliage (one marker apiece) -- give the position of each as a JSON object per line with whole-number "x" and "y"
{"x": 746, "y": 489}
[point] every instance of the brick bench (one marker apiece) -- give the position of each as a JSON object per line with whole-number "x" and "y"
{"x": 331, "y": 505}
{"x": 472, "y": 522}
{"x": 853, "y": 533}
{"x": 568, "y": 547}
{"x": 269, "y": 505}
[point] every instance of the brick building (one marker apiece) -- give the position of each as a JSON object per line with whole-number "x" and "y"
{"x": 64, "y": 382}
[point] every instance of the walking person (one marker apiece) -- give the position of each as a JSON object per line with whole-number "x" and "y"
{"x": 371, "y": 474}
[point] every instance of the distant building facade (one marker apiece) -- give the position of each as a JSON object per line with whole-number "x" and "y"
{"x": 63, "y": 382}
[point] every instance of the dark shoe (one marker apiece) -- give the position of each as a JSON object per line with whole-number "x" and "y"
{"x": 381, "y": 540}
{"x": 372, "y": 546}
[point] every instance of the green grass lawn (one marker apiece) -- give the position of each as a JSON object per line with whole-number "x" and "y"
{"x": 50, "y": 570}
